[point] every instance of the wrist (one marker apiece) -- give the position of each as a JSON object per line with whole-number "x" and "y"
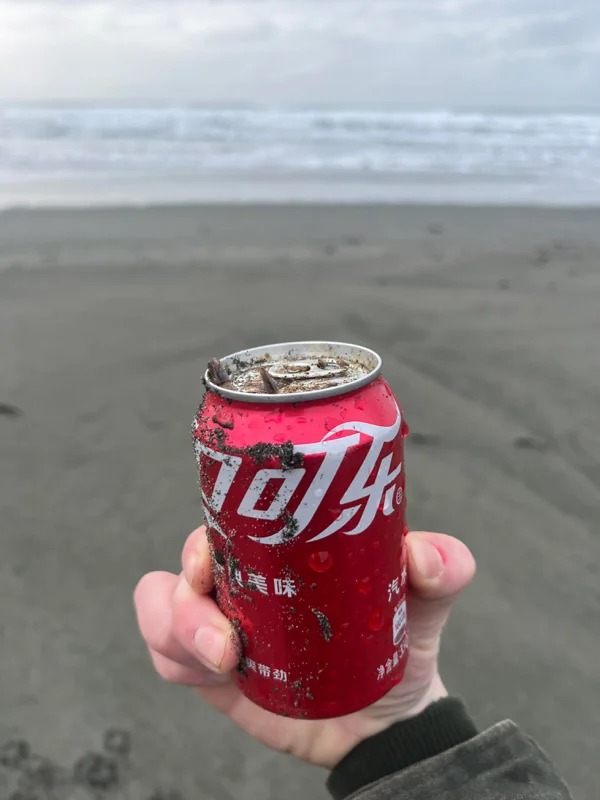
{"x": 392, "y": 709}
{"x": 382, "y": 715}
{"x": 435, "y": 691}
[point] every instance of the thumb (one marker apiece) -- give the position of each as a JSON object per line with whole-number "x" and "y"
{"x": 440, "y": 567}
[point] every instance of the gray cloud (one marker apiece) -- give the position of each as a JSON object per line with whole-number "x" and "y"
{"x": 427, "y": 52}
{"x": 568, "y": 32}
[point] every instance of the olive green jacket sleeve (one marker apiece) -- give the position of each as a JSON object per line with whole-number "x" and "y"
{"x": 440, "y": 756}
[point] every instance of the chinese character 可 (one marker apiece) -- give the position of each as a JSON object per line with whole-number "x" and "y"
{"x": 285, "y": 586}
{"x": 258, "y": 582}
{"x": 264, "y": 671}
{"x": 251, "y": 664}
{"x": 393, "y": 588}
{"x": 280, "y": 675}
{"x": 403, "y": 576}
{"x": 380, "y": 672}
{"x": 395, "y": 659}
{"x": 388, "y": 666}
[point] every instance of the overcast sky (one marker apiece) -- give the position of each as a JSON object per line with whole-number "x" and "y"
{"x": 515, "y": 53}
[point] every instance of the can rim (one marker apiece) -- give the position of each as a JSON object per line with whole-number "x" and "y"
{"x": 364, "y": 355}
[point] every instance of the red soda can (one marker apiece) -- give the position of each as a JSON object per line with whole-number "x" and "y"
{"x": 301, "y": 462}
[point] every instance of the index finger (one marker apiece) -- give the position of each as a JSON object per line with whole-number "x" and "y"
{"x": 195, "y": 560}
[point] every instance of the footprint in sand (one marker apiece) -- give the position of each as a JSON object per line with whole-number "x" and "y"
{"x": 424, "y": 439}
{"x": 94, "y": 774}
{"x": 435, "y": 229}
{"x": 530, "y": 443}
{"x": 8, "y": 410}
{"x": 96, "y": 771}
{"x": 541, "y": 257}
{"x": 161, "y": 794}
{"x": 15, "y": 753}
{"x": 118, "y": 741}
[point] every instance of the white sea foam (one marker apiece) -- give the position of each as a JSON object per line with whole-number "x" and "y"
{"x": 451, "y": 156}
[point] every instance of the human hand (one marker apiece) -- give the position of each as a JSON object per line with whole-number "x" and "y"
{"x": 192, "y": 643}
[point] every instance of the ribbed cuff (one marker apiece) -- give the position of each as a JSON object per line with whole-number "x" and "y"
{"x": 439, "y": 727}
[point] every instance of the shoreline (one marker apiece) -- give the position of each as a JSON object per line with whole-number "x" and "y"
{"x": 325, "y": 187}
{"x": 300, "y": 206}
{"x": 432, "y": 205}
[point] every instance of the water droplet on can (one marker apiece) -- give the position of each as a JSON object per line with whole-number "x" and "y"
{"x": 364, "y": 586}
{"x": 376, "y": 620}
{"x": 404, "y": 429}
{"x": 360, "y": 404}
{"x": 344, "y": 626}
{"x": 320, "y": 561}
{"x": 274, "y": 416}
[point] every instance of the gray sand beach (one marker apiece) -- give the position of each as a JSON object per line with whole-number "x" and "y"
{"x": 488, "y": 322}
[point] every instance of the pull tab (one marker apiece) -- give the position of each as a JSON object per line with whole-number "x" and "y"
{"x": 306, "y": 369}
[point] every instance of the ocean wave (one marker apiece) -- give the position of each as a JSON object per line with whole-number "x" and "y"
{"x": 70, "y": 141}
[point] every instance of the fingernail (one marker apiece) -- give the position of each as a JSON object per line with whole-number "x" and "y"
{"x": 210, "y": 642}
{"x": 426, "y": 559}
